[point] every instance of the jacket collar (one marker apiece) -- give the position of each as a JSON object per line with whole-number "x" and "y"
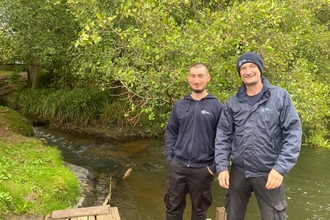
{"x": 241, "y": 93}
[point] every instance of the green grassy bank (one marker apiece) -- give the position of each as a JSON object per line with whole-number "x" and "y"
{"x": 33, "y": 179}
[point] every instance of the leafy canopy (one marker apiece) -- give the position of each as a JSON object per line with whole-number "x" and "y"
{"x": 140, "y": 51}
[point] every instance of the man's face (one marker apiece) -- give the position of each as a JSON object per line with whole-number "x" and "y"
{"x": 250, "y": 74}
{"x": 198, "y": 79}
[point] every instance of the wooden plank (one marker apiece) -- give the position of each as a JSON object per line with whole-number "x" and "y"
{"x": 78, "y": 212}
{"x": 103, "y": 217}
{"x": 49, "y": 218}
{"x": 114, "y": 215}
{"x": 221, "y": 213}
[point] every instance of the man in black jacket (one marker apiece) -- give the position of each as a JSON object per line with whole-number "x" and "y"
{"x": 189, "y": 148}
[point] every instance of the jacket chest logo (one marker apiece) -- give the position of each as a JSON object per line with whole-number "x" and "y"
{"x": 204, "y": 112}
{"x": 266, "y": 109}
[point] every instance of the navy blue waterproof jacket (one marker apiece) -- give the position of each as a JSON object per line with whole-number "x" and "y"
{"x": 259, "y": 137}
{"x": 190, "y": 132}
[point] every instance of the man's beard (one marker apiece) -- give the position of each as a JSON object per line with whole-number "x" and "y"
{"x": 198, "y": 90}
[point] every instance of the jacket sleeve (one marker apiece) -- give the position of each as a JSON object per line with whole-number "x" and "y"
{"x": 220, "y": 110}
{"x": 223, "y": 141}
{"x": 291, "y": 137}
{"x": 171, "y": 135}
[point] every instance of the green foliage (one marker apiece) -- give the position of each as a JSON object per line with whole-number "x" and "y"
{"x": 140, "y": 52}
{"x": 85, "y": 107}
{"x": 310, "y": 98}
{"x": 37, "y": 33}
{"x": 13, "y": 78}
{"x": 78, "y": 106}
{"x": 112, "y": 115}
{"x": 33, "y": 179}
{"x": 14, "y": 75}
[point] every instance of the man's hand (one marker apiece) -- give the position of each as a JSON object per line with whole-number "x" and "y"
{"x": 275, "y": 179}
{"x": 224, "y": 179}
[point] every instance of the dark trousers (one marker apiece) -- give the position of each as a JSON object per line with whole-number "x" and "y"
{"x": 183, "y": 180}
{"x": 272, "y": 204}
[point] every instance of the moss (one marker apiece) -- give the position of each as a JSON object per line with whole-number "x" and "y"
{"x": 14, "y": 122}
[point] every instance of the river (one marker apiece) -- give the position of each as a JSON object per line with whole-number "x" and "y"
{"x": 140, "y": 196}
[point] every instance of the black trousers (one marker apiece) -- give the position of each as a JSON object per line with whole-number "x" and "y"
{"x": 272, "y": 204}
{"x": 183, "y": 180}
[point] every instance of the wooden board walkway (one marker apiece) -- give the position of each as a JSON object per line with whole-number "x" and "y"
{"x": 104, "y": 212}
{"x": 88, "y": 213}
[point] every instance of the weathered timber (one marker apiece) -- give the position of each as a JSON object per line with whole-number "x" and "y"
{"x": 87, "y": 213}
{"x": 77, "y": 212}
{"x": 220, "y": 213}
{"x": 107, "y": 199}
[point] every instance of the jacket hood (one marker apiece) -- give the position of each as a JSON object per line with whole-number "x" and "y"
{"x": 208, "y": 96}
{"x": 191, "y": 100}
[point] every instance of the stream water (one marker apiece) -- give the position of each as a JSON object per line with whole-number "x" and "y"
{"x": 140, "y": 196}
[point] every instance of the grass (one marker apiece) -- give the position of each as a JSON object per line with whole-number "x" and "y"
{"x": 33, "y": 179}
{"x": 2, "y": 72}
{"x": 82, "y": 108}
{"x": 15, "y": 122}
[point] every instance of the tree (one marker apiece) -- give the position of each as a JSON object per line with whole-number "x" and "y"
{"x": 148, "y": 46}
{"x": 41, "y": 33}
{"x": 141, "y": 50}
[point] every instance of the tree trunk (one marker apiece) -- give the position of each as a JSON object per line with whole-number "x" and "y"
{"x": 35, "y": 74}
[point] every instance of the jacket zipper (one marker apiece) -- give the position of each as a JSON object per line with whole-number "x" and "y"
{"x": 193, "y": 132}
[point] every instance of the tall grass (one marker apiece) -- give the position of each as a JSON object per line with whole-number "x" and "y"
{"x": 83, "y": 107}
{"x": 80, "y": 107}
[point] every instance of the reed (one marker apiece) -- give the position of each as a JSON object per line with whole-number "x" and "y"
{"x": 83, "y": 107}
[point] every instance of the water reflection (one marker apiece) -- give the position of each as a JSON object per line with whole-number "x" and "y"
{"x": 140, "y": 196}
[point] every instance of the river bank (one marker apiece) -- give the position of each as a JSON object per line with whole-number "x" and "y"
{"x": 17, "y": 129}
{"x": 33, "y": 177}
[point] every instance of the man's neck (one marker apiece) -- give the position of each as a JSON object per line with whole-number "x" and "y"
{"x": 199, "y": 96}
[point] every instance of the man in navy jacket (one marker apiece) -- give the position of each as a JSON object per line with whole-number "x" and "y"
{"x": 189, "y": 148}
{"x": 260, "y": 132}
